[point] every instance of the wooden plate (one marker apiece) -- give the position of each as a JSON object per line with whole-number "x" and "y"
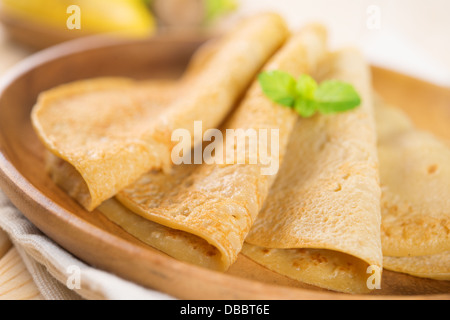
{"x": 94, "y": 239}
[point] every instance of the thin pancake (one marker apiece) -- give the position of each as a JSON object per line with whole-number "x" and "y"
{"x": 327, "y": 195}
{"x": 185, "y": 246}
{"x": 106, "y": 131}
{"x": 219, "y": 203}
{"x": 415, "y": 207}
{"x": 328, "y": 269}
{"x": 435, "y": 266}
{"x": 101, "y": 124}
{"x": 415, "y": 180}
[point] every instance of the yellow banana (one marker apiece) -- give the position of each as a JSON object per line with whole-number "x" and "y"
{"x": 129, "y": 17}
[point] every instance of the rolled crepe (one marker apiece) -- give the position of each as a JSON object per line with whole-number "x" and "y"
{"x": 215, "y": 205}
{"x": 106, "y": 131}
{"x": 415, "y": 206}
{"x": 321, "y": 221}
{"x": 99, "y": 124}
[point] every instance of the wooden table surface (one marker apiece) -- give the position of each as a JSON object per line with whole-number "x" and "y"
{"x": 16, "y": 282}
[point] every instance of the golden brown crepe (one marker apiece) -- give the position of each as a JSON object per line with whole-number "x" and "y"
{"x": 182, "y": 245}
{"x": 415, "y": 206}
{"x": 436, "y": 266}
{"x": 106, "y": 131}
{"x": 218, "y": 203}
{"x": 99, "y": 127}
{"x": 321, "y": 221}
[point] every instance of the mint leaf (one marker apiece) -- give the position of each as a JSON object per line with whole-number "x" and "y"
{"x": 336, "y": 96}
{"x": 306, "y": 87}
{"x": 279, "y": 86}
{"x": 305, "y": 96}
{"x": 305, "y": 108}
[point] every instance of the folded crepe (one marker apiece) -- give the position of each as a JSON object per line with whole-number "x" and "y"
{"x": 320, "y": 223}
{"x": 202, "y": 213}
{"x": 112, "y": 133}
{"x": 415, "y": 206}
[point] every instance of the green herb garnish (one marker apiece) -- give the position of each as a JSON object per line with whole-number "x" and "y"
{"x": 217, "y": 8}
{"x": 307, "y": 97}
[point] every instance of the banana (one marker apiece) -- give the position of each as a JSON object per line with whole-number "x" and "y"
{"x": 127, "y": 17}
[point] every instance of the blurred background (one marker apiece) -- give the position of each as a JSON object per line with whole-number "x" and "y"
{"x": 411, "y": 36}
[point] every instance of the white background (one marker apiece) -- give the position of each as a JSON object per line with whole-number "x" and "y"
{"x": 414, "y": 37}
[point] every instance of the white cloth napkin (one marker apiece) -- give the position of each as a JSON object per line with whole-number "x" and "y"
{"x": 55, "y": 271}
